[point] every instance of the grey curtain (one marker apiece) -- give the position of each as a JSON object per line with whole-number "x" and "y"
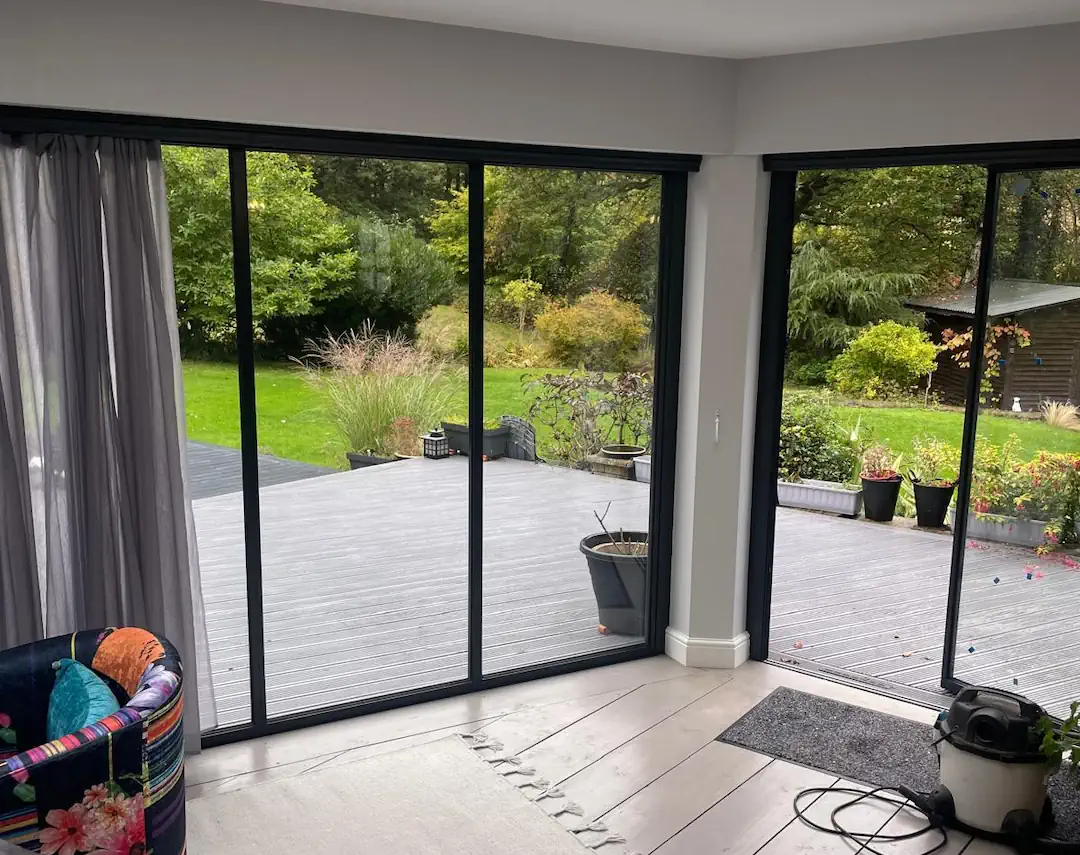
{"x": 96, "y": 524}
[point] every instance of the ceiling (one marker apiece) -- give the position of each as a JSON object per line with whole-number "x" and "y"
{"x": 729, "y": 28}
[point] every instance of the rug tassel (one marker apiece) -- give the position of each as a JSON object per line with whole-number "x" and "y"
{"x": 592, "y": 826}
{"x": 611, "y": 838}
{"x": 538, "y": 783}
{"x": 517, "y": 770}
{"x": 572, "y": 808}
{"x": 513, "y": 761}
{"x": 477, "y": 741}
{"x": 550, "y": 793}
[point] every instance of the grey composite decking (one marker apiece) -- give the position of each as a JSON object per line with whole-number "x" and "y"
{"x": 214, "y": 470}
{"x": 868, "y": 600}
{"x": 365, "y": 578}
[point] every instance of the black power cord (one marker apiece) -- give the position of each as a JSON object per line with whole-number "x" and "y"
{"x": 862, "y": 838}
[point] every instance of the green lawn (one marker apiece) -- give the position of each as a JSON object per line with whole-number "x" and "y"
{"x": 897, "y": 427}
{"x": 291, "y": 421}
{"x": 293, "y": 425}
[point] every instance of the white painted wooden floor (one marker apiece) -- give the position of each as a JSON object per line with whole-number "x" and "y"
{"x": 634, "y": 744}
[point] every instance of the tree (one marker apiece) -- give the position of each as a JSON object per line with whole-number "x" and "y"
{"x": 828, "y": 304}
{"x": 524, "y": 296}
{"x": 300, "y": 252}
{"x": 925, "y": 220}
{"x": 560, "y": 227}
{"x": 394, "y": 279}
{"x": 391, "y": 190}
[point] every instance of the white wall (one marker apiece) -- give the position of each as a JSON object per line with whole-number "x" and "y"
{"x": 725, "y": 243}
{"x": 993, "y": 87}
{"x": 245, "y": 61}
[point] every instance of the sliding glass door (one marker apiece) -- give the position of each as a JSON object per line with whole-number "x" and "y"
{"x": 197, "y": 182}
{"x": 569, "y": 368}
{"x": 925, "y": 448}
{"x": 361, "y": 347}
{"x": 1015, "y": 625}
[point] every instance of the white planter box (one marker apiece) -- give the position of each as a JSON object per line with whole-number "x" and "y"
{"x": 820, "y": 496}
{"x": 643, "y": 468}
{"x": 1001, "y": 529}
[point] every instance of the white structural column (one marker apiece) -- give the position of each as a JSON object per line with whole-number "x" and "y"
{"x": 725, "y": 240}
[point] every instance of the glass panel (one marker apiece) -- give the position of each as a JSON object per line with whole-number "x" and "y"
{"x": 201, "y": 226}
{"x": 357, "y": 294}
{"x": 1017, "y": 629}
{"x": 861, "y": 562}
{"x": 571, "y": 271}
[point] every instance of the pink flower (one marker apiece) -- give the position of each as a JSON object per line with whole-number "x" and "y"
{"x": 66, "y": 834}
{"x": 108, "y": 819}
{"x": 5, "y": 720}
{"x": 95, "y": 796}
{"x": 130, "y": 840}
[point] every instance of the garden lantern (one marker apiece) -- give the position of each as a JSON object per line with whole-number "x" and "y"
{"x": 436, "y": 445}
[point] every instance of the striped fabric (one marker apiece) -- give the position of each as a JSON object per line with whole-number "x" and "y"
{"x": 18, "y": 766}
{"x": 134, "y": 757}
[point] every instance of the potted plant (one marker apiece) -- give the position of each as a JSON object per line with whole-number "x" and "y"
{"x": 933, "y": 477}
{"x": 816, "y": 459}
{"x": 628, "y": 401}
{"x": 496, "y": 436}
{"x": 881, "y": 483}
{"x": 1061, "y": 742}
{"x": 618, "y": 567}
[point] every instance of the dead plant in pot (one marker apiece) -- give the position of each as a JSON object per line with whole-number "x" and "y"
{"x": 881, "y": 483}
{"x": 618, "y": 566}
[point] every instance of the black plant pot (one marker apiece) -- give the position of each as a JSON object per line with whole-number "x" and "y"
{"x": 879, "y": 498}
{"x": 362, "y": 461}
{"x": 618, "y": 583}
{"x": 932, "y": 504}
{"x": 495, "y": 439}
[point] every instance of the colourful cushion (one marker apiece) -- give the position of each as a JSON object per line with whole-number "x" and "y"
{"x": 79, "y": 698}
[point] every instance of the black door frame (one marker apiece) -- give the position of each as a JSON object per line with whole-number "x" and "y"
{"x": 238, "y": 139}
{"x": 996, "y": 159}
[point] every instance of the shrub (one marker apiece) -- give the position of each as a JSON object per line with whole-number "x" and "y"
{"x": 381, "y": 391}
{"x": 812, "y": 445}
{"x": 1061, "y": 415}
{"x": 599, "y": 332}
{"x": 997, "y": 481}
{"x": 885, "y": 360}
{"x": 934, "y": 462}
{"x": 806, "y": 369}
{"x": 443, "y": 333}
{"x": 585, "y": 411}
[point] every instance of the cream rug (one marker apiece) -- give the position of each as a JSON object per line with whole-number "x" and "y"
{"x": 441, "y": 798}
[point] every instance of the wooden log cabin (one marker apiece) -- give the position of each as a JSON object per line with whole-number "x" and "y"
{"x": 1048, "y": 369}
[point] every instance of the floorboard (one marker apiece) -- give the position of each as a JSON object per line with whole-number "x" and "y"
{"x": 632, "y": 744}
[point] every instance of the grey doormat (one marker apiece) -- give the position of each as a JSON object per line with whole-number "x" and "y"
{"x": 861, "y": 745}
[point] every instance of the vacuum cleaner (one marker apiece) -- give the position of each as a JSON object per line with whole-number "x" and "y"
{"x": 992, "y": 773}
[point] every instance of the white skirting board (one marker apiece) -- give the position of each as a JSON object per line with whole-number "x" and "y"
{"x": 707, "y": 652}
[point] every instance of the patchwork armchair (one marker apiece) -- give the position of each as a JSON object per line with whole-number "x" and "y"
{"x": 113, "y": 788}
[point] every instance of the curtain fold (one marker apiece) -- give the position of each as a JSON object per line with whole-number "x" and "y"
{"x": 96, "y": 351}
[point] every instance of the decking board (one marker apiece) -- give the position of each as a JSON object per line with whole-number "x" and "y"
{"x": 365, "y": 577}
